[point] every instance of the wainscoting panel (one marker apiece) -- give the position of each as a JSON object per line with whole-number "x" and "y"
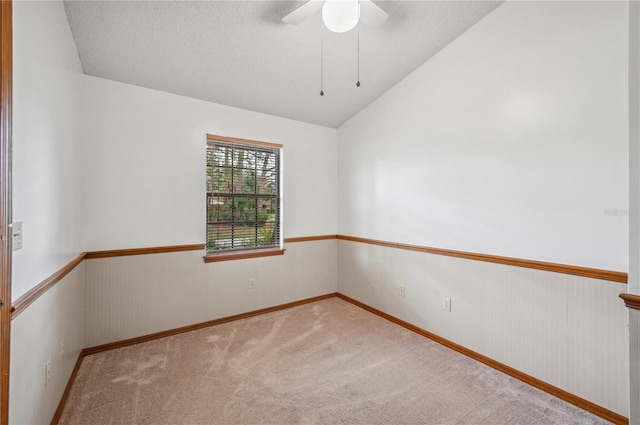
{"x": 568, "y": 331}
{"x": 35, "y": 338}
{"x": 137, "y": 295}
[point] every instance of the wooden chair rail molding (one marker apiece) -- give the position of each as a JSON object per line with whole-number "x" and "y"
{"x": 142, "y": 251}
{"x": 310, "y": 238}
{"x": 631, "y": 300}
{"x": 518, "y": 262}
{"x": 608, "y": 275}
{"x": 19, "y": 305}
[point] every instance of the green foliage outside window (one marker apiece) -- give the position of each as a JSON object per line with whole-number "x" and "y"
{"x": 243, "y": 183}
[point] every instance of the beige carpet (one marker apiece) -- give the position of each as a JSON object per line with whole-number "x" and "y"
{"x": 328, "y": 362}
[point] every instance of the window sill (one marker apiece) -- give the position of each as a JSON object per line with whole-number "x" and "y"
{"x": 239, "y": 255}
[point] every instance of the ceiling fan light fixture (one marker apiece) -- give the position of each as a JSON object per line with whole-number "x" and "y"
{"x": 341, "y": 15}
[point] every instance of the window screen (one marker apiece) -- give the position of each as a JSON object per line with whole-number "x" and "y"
{"x": 243, "y": 195}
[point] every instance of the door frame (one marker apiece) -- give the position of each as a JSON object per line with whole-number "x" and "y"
{"x": 6, "y": 70}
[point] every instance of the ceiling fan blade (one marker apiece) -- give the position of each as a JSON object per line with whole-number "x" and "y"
{"x": 371, "y": 15}
{"x": 303, "y": 12}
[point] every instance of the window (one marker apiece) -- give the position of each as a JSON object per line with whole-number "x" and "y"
{"x": 243, "y": 198}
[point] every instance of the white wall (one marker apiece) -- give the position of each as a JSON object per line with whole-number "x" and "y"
{"x": 634, "y": 147}
{"x": 47, "y": 198}
{"x": 528, "y": 106}
{"x": 634, "y": 362}
{"x": 568, "y": 331}
{"x": 144, "y": 159}
{"x": 511, "y": 141}
{"x": 145, "y": 166}
{"x": 47, "y": 179}
{"x": 132, "y": 161}
{"x": 36, "y": 336}
{"x": 126, "y": 297}
{"x": 634, "y": 205}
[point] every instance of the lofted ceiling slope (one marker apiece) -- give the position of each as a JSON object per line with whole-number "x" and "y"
{"x": 239, "y": 53}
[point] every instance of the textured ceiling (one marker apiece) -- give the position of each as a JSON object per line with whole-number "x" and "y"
{"x": 239, "y": 53}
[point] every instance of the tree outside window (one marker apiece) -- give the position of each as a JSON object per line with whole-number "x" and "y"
{"x": 243, "y": 195}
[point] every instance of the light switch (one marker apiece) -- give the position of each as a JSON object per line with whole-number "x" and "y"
{"x": 16, "y": 229}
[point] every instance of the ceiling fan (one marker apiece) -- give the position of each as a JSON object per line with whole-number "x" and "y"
{"x": 339, "y": 15}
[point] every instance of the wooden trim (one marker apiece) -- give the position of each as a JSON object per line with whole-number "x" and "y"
{"x": 236, "y": 140}
{"x": 67, "y": 390}
{"x": 177, "y": 248}
{"x": 176, "y": 331}
{"x": 517, "y": 262}
{"x": 631, "y": 300}
{"x": 28, "y": 298}
{"x": 309, "y": 238}
{"x": 609, "y": 275}
{"x": 528, "y": 379}
{"x": 6, "y": 126}
{"x": 240, "y": 255}
{"x": 36, "y": 292}
{"x": 142, "y": 251}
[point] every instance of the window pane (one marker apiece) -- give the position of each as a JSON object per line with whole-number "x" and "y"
{"x": 220, "y": 209}
{"x": 219, "y": 237}
{"x": 244, "y": 236}
{"x": 244, "y": 210}
{"x": 267, "y": 234}
{"x": 247, "y": 181}
{"x": 242, "y": 196}
{"x": 266, "y": 210}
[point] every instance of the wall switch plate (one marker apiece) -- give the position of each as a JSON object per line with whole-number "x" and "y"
{"x": 16, "y": 231}
{"x": 252, "y": 283}
{"x": 61, "y": 348}
{"x": 401, "y": 290}
{"x": 446, "y": 303}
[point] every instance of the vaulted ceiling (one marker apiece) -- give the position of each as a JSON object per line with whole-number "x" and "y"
{"x": 239, "y": 53}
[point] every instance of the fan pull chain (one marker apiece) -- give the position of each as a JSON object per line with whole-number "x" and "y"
{"x": 321, "y": 58}
{"x": 358, "y": 82}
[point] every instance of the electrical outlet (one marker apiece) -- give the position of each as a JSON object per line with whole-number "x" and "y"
{"x": 47, "y": 373}
{"x": 252, "y": 283}
{"x": 446, "y": 303}
{"x": 62, "y": 348}
{"x": 401, "y": 290}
